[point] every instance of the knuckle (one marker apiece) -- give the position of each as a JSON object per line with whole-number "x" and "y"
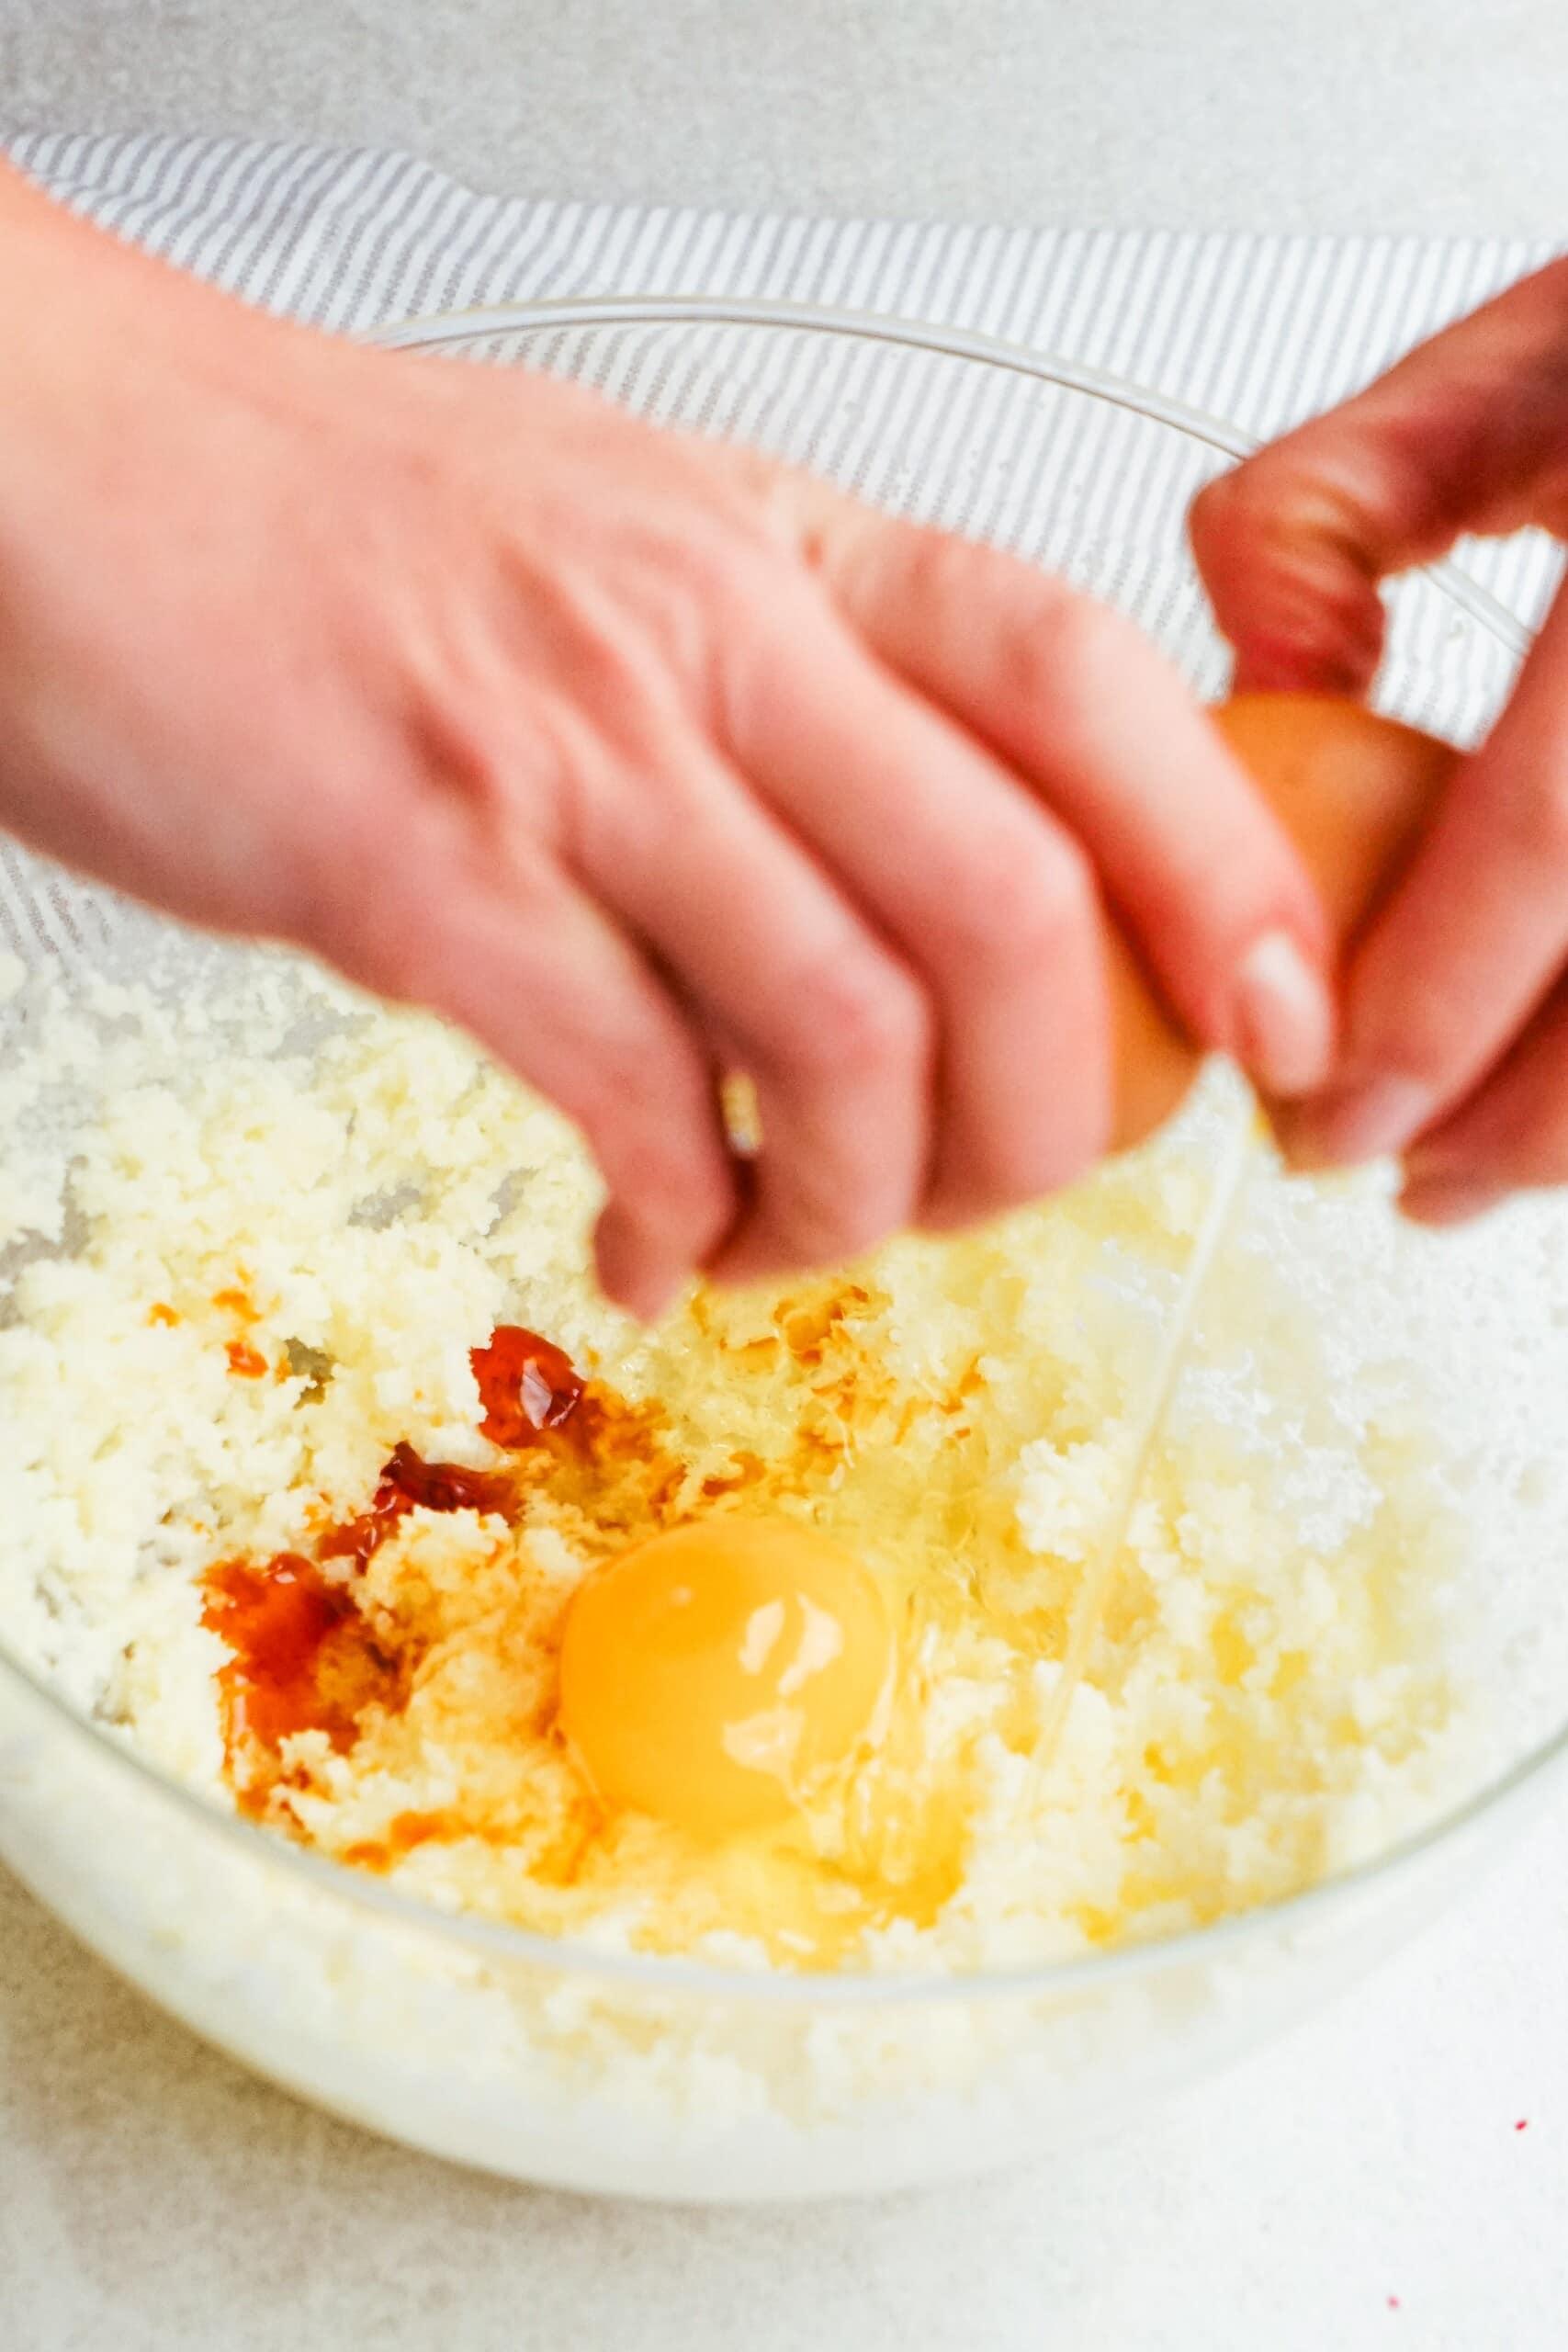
{"x": 679, "y": 585}
{"x": 1064, "y": 648}
{"x": 1044, "y": 633}
{"x": 1214, "y": 511}
{"x": 1017, "y": 908}
{"x": 939, "y": 569}
{"x": 1063, "y": 664}
{"x": 631, "y": 622}
{"x": 855, "y": 1019}
{"x": 1246, "y": 498}
{"x": 711, "y": 560}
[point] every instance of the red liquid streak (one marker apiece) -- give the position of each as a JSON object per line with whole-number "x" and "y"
{"x": 278, "y": 1621}
{"x": 304, "y": 1659}
{"x": 526, "y": 1385}
{"x": 409, "y": 1483}
{"x": 304, "y": 1656}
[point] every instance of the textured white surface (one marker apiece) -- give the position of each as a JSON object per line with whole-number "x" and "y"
{"x": 152, "y": 2198}
{"x": 1437, "y": 114}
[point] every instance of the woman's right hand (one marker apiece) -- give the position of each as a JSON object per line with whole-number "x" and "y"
{"x": 1455, "y": 1025}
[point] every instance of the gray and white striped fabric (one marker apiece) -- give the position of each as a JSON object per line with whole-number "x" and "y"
{"x": 1256, "y": 329}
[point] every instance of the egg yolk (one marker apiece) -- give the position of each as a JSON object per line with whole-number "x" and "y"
{"x": 708, "y": 1674}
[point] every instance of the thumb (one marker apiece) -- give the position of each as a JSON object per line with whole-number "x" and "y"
{"x": 1469, "y": 433}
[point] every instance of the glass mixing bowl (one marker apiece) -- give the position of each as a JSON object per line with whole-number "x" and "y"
{"x": 551, "y": 2061}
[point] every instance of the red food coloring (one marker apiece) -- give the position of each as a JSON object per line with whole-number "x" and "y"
{"x": 301, "y": 1659}
{"x": 305, "y": 1652}
{"x": 409, "y": 1483}
{"x": 526, "y": 1385}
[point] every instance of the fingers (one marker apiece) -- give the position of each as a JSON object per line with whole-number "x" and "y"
{"x": 793, "y": 987}
{"x": 987, "y": 899}
{"x": 1512, "y": 1135}
{"x": 1084, "y": 711}
{"x": 519, "y": 956}
{"x": 1469, "y": 433}
{"x": 1472, "y": 940}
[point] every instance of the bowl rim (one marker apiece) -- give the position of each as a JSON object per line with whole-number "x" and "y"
{"x": 655, "y": 1972}
{"x": 436, "y": 330}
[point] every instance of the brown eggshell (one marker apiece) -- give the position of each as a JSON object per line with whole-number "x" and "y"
{"x": 1354, "y": 791}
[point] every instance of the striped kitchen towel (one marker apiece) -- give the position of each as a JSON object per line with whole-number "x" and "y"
{"x": 1254, "y": 329}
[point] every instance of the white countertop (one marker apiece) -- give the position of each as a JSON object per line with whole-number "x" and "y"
{"x": 152, "y": 2198}
{"x": 1435, "y": 115}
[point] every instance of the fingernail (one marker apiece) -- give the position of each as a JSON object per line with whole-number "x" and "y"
{"x": 632, "y": 1272}
{"x": 1284, "y": 1016}
{"x": 1361, "y": 1122}
{"x": 1449, "y": 1200}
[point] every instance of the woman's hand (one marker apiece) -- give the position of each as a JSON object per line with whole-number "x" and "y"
{"x": 1455, "y": 1032}
{"x": 645, "y": 759}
